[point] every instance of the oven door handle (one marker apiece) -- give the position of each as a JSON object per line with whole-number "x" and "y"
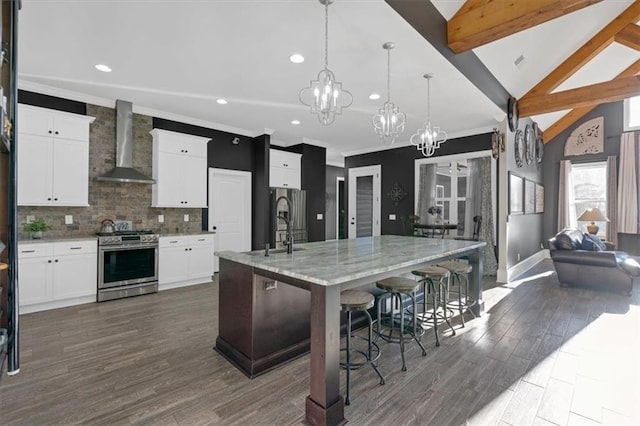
{"x": 128, "y": 247}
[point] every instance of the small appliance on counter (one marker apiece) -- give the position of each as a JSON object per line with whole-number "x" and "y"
{"x": 127, "y": 263}
{"x": 278, "y": 227}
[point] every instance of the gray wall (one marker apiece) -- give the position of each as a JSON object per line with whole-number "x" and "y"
{"x": 524, "y": 234}
{"x": 613, "y": 114}
{"x": 332, "y": 175}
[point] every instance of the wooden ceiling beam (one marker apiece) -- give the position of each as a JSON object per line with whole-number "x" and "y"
{"x": 479, "y": 22}
{"x": 629, "y": 36}
{"x": 588, "y": 51}
{"x": 577, "y": 113}
{"x": 609, "y": 91}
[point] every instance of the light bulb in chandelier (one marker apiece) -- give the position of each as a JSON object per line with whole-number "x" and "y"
{"x": 325, "y": 96}
{"x": 389, "y": 122}
{"x": 430, "y": 137}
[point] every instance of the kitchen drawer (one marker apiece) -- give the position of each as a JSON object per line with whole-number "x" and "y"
{"x": 173, "y": 241}
{"x": 75, "y": 247}
{"x": 26, "y": 251}
{"x": 200, "y": 240}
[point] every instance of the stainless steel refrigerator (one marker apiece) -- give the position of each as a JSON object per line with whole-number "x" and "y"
{"x": 278, "y": 227}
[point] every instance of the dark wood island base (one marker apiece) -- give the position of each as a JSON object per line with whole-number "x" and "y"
{"x": 263, "y": 322}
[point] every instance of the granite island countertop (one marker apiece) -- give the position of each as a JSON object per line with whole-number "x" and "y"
{"x": 334, "y": 262}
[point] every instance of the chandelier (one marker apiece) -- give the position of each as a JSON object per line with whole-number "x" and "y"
{"x": 325, "y": 96}
{"x": 389, "y": 122}
{"x": 430, "y": 137}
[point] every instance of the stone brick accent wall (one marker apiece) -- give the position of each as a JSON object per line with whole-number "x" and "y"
{"x": 122, "y": 201}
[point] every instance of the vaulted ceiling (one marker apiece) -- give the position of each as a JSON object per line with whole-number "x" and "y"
{"x": 176, "y": 58}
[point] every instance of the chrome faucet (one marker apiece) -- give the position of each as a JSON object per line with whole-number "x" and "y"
{"x": 289, "y": 221}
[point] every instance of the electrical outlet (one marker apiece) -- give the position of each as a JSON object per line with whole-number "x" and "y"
{"x": 68, "y": 219}
{"x": 392, "y": 217}
{"x": 186, "y": 218}
{"x": 30, "y": 218}
{"x": 319, "y": 216}
{"x": 160, "y": 218}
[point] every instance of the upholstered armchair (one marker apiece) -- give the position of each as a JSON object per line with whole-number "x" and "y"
{"x": 578, "y": 263}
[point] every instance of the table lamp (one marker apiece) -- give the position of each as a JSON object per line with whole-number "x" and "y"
{"x": 592, "y": 215}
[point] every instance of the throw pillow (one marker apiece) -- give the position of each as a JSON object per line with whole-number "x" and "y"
{"x": 592, "y": 243}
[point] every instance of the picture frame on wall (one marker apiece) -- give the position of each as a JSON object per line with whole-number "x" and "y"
{"x": 529, "y": 196}
{"x": 539, "y": 198}
{"x": 516, "y": 194}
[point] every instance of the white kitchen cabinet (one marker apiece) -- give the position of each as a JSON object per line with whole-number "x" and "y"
{"x": 57, "y": 274}
{"x": 180, "y": 170}
{"x": 185, "y": 260}
{"x": 284, "y": 169}
{"x": 53, "y": 159}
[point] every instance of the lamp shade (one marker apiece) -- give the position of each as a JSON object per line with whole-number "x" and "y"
{"x": 593, "y": 215}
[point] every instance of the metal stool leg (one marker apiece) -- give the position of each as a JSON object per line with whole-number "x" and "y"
{"x": 370, "y": 357}
{"x": 348, "y": 400}
{"x": 434, "y": 298}
{"x": 401, "y": 310}
{"x": 415, "y": 325}
{"x": 457, "y": 276}
{"x": 444, "y": 289}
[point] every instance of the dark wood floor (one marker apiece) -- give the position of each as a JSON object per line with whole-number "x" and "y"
{"x": 540, "y": 354}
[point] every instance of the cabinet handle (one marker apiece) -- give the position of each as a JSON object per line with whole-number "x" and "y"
{"x": 56, "y": 132}
{"x": 56, "y": 260}
{"x": 50, "y": 132}
{"x": 48, "y": 261}
{"x": 172, "y": 242}
{"x": 186, "y": 249}
{"x": 270, "y": 285}
{"x": 55, "y": 199}
{"x": 48, "y": 199}
{"x": 186, "y": 150}
{"x": 182, "y": 150}
{"x": 75, "y": 248}
{"x": 27, "y": 251}
{"x": 200, "y": 239}
{"x": 190, "y": 249}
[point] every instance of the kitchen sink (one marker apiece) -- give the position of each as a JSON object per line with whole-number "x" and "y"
{"x": 273, "y": 251}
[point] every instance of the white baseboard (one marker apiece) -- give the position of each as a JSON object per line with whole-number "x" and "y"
{"x": 55, "y": 304}
{"x": 526, "y": 264}
{"x": 193, "y": 281}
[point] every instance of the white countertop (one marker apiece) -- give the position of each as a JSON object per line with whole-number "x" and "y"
{"x": 335, "y": 262}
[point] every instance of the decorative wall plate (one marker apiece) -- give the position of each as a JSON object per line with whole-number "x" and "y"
{"x": 513, "y": 113}
{"x": 519, "y": 148}
{"x": 495, "y": 144}
{"x": 539, "y": 148}
{"x": 529, "y": 144}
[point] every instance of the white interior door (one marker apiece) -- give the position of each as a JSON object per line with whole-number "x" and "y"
{"x": 230, "y": 210}
{"x": 364, "y": 201}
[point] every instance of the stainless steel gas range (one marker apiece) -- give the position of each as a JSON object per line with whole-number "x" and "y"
{"x": 127, "y": 264}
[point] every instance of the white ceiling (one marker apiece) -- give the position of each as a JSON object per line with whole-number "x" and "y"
{"x": 174, "y": 58}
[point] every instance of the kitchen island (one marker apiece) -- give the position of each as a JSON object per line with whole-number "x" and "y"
{"x": 323, "y": 270}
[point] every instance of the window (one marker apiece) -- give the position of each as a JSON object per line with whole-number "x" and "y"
{"x": 632, "y": 114}
{"x": 590, "y": 190}
{"x": 451, "y": 190}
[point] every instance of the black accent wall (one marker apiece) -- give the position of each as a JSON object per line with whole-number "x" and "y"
{"x": 260, "y": 210}
{"x": 398, "y": 166}
{"x": 314, "y": 159}
{"x": 613, "y": 114}
{"x": 51, "y": 102}
{"x": 524, "y": 231}
{"x": 331, "y": 219}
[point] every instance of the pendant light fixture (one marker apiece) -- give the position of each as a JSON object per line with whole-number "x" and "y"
{"x": 430, "y": 137}
{"x": 389, "y": 122}
{"x": 325, "y": 95}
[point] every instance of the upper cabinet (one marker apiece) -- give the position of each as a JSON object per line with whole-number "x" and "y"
{"x": 53, "y": 159}
{"x": 284, "y": 169}
{"x": 180, "y": 170}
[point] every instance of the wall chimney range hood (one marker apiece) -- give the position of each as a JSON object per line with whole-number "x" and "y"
{"x": 124, "y": 171}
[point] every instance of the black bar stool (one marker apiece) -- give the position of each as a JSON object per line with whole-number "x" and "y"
{"x": 435, "y": 281}
{"x": 460, "y": 275}
{"x": 358, "y": 301}
{"x": 397, "y": 289}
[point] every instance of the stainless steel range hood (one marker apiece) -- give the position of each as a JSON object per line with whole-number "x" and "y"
{"x": 124, "y": 171}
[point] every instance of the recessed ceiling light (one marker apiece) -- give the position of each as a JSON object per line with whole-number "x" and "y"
{"x": 103, "y": 68}
{"x": 296, "y": 122}
{"x": 374, "y": 96}
{"x": 296, "y": 58}
{"x": 222, "y": 101}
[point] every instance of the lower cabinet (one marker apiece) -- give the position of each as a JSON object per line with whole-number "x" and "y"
{"x": 185, "y": 260}
{"x": 54, "y": 275}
